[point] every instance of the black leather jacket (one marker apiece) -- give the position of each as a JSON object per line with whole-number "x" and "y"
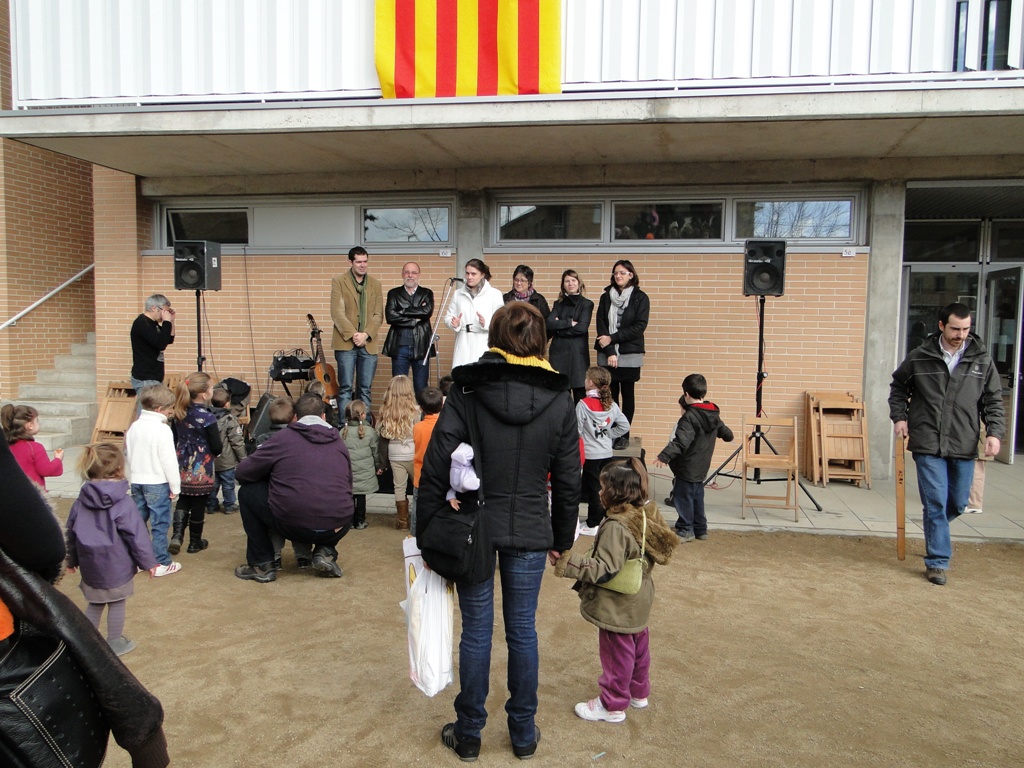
{"x": 404, "y": 311}
{"x": 33, "y": 544}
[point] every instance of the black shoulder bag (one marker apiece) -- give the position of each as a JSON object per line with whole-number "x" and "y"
{"x": 457, "y": 544}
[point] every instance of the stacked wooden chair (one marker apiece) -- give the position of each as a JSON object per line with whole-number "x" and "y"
{"x": 837, "y": 439}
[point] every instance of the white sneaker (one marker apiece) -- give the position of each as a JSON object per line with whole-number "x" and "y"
{"x": 167, "y": 570}
{"x": 638, "y": 703}
{"x": 973, "y": 510}
{"x": 594, "y": 711}
{"x": 586, "y": 530}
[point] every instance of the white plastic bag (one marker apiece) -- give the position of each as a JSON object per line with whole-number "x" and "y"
{"x": 429, "y": 614}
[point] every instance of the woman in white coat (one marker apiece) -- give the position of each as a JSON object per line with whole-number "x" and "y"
{"x": 470, "y": 311}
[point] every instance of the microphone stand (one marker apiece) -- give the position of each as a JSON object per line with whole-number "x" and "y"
{"x": 446, "y": 300}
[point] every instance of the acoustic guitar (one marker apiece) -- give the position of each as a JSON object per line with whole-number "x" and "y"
{"x": 322, "y": 371}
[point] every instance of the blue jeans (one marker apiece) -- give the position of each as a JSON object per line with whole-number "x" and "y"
{"x": 944, "y": 485}
{"x": 358, "y": 364}
{"x": 688, "y": 499}
{"x": 403, "y": 360}
{"x": 521, "y": 574}
{"x": 154, "y": 503}
{"x": 223, "y": 480}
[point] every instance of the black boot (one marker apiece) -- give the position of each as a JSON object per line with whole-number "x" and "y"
{"x": 359, "y": 519}
{"x": 177, "y": 531}
{"x": 196, "y": 542}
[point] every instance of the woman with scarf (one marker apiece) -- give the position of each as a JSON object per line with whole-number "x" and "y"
{"x": 522, "y": 290}
{"x": 470, "y": 311}
{"x": 525, "y": 431}
{"x": 622, "y": 317}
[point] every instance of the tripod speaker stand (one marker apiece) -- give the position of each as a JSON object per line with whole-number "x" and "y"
{"x": 756, "y": 434}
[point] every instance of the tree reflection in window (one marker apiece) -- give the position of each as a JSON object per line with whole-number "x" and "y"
{"x": 405, "y": 225}
{"x": 794, "y": 219}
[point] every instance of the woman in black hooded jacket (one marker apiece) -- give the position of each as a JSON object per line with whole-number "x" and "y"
{"x": 527, "y": 429}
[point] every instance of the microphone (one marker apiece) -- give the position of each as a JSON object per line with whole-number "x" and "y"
{"x": 456, "y": 280}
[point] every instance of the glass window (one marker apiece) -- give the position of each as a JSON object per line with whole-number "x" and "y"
{"x": 406, "y": 225}
{"x": 960, "y": 37}
{"x": 550, "y": 221}
{"x": 995, "y": 44}
{"x": 940, "y": 241}
{"x": 668, "y": 221}
{"x": 929, "y": 293}
{"x": 225, "y": 227}
{"x": 794, "y": 219}
{"x": 1008, "y": 241}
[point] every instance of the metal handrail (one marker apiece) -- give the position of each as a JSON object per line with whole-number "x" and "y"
{"x": 48, "y": 296}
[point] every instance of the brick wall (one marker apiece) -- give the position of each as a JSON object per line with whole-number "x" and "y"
{"x": 122, "y": 229}
{"x": 45, "y": 239}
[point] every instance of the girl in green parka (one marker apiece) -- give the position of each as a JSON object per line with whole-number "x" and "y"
{"x": 361, "y": 440}
{"x": 621, "y": 619}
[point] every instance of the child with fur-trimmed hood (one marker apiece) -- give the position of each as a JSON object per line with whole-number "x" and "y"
{"x": 621, "y": 619}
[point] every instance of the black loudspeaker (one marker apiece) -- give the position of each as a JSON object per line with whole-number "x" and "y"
{"x": 764, "y": 267}
{"x": 259, "y": 420}
{"x": 196, "y": 265}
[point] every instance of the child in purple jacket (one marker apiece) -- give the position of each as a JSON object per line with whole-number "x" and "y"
{"x": 107, "y": 539}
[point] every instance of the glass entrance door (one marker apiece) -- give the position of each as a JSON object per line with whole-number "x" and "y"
{"x": 1003, "y": 333}
{"x": 933, "y": 286}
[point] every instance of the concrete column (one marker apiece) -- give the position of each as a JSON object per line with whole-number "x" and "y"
{"x": 885, "y": 270}
{"x": 471, "y": 229}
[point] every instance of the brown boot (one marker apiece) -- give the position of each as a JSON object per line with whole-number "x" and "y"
{"x": 402, "y": 523}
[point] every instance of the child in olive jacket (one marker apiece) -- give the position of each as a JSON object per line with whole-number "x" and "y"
{"x": 621, "y": 619}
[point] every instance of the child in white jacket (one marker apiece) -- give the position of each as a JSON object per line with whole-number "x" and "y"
{"x": 153, "y": 469}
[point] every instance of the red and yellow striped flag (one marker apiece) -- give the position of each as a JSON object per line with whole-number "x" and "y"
{"x": 431, "y": 48}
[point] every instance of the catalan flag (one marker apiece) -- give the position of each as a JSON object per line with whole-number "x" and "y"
{"x": 436, "y": 48}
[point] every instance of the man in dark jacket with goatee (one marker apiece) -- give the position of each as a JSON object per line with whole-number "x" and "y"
{"x": 935, "y": 399}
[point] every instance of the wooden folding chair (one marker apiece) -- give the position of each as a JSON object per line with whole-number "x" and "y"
{"x": 844, "y": 442}
{"x": 783, "y": 435}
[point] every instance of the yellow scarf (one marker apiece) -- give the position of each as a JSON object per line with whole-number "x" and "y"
{"x": 535, "y": 362}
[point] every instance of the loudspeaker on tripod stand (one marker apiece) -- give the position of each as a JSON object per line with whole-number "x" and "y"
{"x": 764, "y": 267}
{"x": 196, "y": 265}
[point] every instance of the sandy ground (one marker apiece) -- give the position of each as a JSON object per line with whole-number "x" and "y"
{"x": 769, "y": 649}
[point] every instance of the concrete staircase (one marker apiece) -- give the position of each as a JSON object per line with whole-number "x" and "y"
{"x": 65, "y": 397}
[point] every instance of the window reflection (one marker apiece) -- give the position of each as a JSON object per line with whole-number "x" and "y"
{"x": 668, "y": 221}
{"x": 405, "y": 225}
{"x": 549, "y": 221}
{"x": 225, "y": 227}
{"x": 794, "y": 219}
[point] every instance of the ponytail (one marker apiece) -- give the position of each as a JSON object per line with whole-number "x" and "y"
{"x": 187, "y": 390}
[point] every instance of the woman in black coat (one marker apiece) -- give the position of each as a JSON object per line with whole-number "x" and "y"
{"x": 522, "y": 290}
{"x": 569, "y": 329}
{"x": 622, "y": 317}
{"x": 526, "y": 428}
